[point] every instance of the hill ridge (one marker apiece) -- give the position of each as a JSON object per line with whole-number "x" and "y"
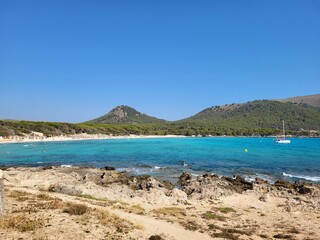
{"x": 126, "y": 115}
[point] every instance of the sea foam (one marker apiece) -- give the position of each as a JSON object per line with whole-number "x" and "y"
{"x": 310, "y": 178}
{"x": 66, "y": 166}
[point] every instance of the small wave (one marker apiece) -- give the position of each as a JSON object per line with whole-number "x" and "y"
{"x": 26, "y": 145}
{"x": 252, "y": 178}
{"x": 137, "y": 171}
{"x": 159, "y": 168}
{"x": 39, "y": 162}
{"x": 66, "y": 166}
{"x": 310, "y": 178}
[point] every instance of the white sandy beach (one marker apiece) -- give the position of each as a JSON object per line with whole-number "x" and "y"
{"x": 79, "y": 137}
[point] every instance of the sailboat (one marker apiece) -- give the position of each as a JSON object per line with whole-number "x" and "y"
{"x": 283, "y": 138}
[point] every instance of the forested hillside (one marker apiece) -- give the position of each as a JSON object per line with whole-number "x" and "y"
{"x": 259, "y": 118}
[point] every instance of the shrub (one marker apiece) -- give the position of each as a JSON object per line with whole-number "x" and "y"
{"x": 76, "y": 209}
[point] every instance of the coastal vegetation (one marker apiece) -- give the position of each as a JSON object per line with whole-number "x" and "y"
{"x": 37, "y": 206}
{"x": 256, "y": 118}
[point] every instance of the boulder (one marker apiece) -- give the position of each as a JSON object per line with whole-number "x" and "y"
{"x": 239, "y": 184}
{"x": 155, "y": 237}
{"x": 212, "y": 186}
{"x": 260, "y": 181}
{"x": 108, "y": 168}
{"x": 305, "y": 190}
{"x": 185, "y": 179}
{"x": 148, "y": 183}
{"x": 64, "y": 188}
{"x": 283, "y": 184}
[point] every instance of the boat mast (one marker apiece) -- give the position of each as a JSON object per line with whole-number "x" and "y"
{"x": 284, "y": 133}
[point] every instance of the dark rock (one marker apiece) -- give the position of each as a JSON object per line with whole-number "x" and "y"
{"x": 240, "y": 183}
{"x": 47, "y": 167}
{"x": 185, "y": 179}
{"x": 305, "y": 190}
{"x": 260, "y": 181}
{"x": 284, "y": 184}
{"x": 145, "y": 182}
{"x": 108, "y": 168}
{"x": 282, "y": 236}
{"x": 155, "y": 237}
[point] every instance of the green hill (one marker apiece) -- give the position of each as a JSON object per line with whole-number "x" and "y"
{"x": 262, "y": 117}
{"x": 261, "y": 114}
{"x": 125, "y": 115}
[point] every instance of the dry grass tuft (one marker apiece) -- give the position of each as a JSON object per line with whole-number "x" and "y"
{"x": 211, "y": 215}
{"x": 44, "y": 196}
{"x": 54, "y": 204}
{"x": 137, "y": 209}
{"x": 214, "y": 227}
{"x": 171, "y": 211}
{"x": 226, "y": 209}
{"x": 21, "y": 222}
{"x": 225, "y": 235}
{"x": 247, "y": 232}
{"x": 19, "y": 195}
{"x": 190, "y": 225}
{"x": 76, "y": 209}
{"x": 87, "y": 196}
{"x": 111, "y": 220}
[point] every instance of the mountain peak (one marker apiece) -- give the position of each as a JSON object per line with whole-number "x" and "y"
{"x": 126, "y": 115}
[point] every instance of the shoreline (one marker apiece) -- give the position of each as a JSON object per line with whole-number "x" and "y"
{"x": 168, "y": 178}
{"x": 83, "y": 137}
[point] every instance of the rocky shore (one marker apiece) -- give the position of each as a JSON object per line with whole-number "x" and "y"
{"x": 89, "y": 203}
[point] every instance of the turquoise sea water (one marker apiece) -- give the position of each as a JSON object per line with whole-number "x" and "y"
{"x": 169, "y": 157}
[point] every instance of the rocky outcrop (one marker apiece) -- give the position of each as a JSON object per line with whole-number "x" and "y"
{"x": 212, "y": 186}
{"x": 148, "y": 183}
{"x": 64, "y": 188}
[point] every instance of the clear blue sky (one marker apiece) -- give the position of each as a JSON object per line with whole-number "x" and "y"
{"x": 75, "y": 60}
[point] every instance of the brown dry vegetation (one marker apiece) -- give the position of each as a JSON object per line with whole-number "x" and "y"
{"x": 34, "y": 215}
{"x": 57, "y": 215}
{"x": 21, "y": 222}
{"x": 170, "y": 211}
{"x": 75, "y": 209}
{"x": 211, "y": 215}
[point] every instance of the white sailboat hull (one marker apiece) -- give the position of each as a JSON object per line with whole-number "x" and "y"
{"x": 283, "y": 138}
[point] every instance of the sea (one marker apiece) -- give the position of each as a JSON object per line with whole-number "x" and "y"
{"x": 167, "y": 158}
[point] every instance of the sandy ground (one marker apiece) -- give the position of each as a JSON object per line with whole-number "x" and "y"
{"x": 52, "y": 202}
{"x": 78, "y": 137}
